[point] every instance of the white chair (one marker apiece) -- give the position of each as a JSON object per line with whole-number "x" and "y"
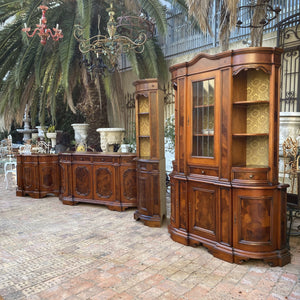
{"x": 10, "y": 167}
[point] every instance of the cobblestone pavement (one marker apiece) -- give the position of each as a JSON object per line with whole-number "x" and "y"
{"x": 53, "y": 251}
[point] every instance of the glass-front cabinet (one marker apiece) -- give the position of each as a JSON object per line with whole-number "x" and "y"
{"x": 202, "y": 119}
{"x": 225, "y": 192}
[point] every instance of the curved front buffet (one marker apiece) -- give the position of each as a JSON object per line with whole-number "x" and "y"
{"x": 101, "y": 178}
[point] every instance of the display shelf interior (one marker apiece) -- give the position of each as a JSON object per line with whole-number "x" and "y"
{"x": 143, "y": 104}
{"x": 144, "y": 125}
{"x": 250, "y": 119}
{"x": 144, "y": 143}
{"x": 254, "y": 85}
{"x": 250, "y": 150}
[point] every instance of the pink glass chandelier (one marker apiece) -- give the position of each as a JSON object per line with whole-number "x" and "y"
{"x": 42, "y": 30}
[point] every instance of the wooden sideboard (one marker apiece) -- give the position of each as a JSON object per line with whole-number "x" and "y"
{"x": 101, "y": 178}
{"x": 38, "y": 175}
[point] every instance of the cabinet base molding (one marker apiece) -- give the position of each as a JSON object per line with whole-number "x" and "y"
{"x": 36, "y": 195}
{"x": 179, "y": 235}
{"x": 67, "y": 201}
{"x": 151, "y": 221}
{"x": 110, "y": 205}
{"x": 277, "y": 258}
{"x": 228, "y": 253}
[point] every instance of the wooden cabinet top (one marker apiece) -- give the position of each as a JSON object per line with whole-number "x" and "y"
{"x": 146, "y": 85}
{"x": 253, "y": 57}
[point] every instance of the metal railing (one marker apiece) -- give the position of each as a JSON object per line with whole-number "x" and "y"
{"x": 183, "y": 38}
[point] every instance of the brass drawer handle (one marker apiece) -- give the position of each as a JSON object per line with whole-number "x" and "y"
{"x": 251, "y": 176}
{"x": 202, "y": 172}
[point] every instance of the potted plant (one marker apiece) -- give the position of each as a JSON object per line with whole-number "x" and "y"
{"x": 51, "y": 134}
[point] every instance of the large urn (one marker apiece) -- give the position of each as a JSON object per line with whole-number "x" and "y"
{"x": 80, "y": 130}
{"x": 111, "y": 138}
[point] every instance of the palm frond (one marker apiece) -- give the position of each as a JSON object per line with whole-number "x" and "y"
{"x": 157, "y": 11}
{"x": 66, "y": 53}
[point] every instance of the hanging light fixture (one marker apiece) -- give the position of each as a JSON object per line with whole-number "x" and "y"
{"x": 128, "y": 33}
{"x": 96, "y": 66}
{"x": 42, "y": 30}
{"x": 246, "y": 12}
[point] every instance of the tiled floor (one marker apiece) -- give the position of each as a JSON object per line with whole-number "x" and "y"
{"x": 53, "y": 251}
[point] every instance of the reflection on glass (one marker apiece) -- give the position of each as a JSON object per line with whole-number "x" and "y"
{"x": 203, "y": 118}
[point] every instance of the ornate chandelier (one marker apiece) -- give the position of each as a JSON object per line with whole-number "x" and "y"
{"x": 44, "y": 32}
{"x": 246, "y": 13}
{"x": 128, "y": 33}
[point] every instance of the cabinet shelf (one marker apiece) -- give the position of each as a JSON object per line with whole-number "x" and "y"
{"x": 203, "y": 134}
{"x": 203, "y": 106}
{"x": 241, "y": 167}
{"x": 249, "y": 134}
{"x": 250, "y": 102}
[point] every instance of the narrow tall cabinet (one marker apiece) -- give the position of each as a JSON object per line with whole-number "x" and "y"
{"x": 151, "y": 177}
{"x": 225, "y": 193}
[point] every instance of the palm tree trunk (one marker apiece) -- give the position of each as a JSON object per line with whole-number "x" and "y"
{"x": 257, "y": 30}
{"x": 94, "y": 108}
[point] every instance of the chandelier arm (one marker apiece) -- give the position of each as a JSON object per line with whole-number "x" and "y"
{"x": 57, "y": 33}
{"x": 26, "y": 30}
{"x": 124, "y": 39}
{"x": 140, "y": 51}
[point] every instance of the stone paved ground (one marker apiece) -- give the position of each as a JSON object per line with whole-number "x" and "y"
{"x": 53, "y": 251}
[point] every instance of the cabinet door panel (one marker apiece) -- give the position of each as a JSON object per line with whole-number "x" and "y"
{"x": 143, "y": 194}
{"x": 104, "y": 178}
{"x": 128, "y": 185}
{"x": 82, "y": 181}
{"x": 253, "y": 219}
{"x": 203, "y": 209}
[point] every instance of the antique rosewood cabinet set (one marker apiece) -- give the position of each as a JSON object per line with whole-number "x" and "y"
{"x": 225, "y": 193}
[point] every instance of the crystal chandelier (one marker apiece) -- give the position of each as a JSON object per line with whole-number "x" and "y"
{"x": 246, "y": 12}
{"x": 129, "y": 33}
{"x": 42, "y": 30}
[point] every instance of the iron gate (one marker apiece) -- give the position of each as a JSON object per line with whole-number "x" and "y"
{"x": 289, "y": 40}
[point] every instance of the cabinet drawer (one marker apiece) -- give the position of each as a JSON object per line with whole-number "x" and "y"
{"x": 203, "y": 171}
{"x": 250, "y": 175}
{"x": 100, "y": 158}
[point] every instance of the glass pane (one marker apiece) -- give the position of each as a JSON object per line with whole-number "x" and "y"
{"x": 203, "y": 118}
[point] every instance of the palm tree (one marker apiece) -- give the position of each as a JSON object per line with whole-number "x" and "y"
{"x": 201, "y": 11}
{"x": 35, "y": 74}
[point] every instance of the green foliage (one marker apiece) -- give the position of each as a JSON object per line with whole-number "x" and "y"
{"x": 170, "y": 132}
{"x": 37, "y": 75}
{"x": 51, "y": 128}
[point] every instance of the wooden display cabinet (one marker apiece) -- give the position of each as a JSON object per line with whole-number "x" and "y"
{"x": 151, "y": 184}
{"x": 225, "y": 193}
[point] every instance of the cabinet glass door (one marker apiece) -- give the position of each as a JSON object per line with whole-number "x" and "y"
{"x": 203, "y": 117}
